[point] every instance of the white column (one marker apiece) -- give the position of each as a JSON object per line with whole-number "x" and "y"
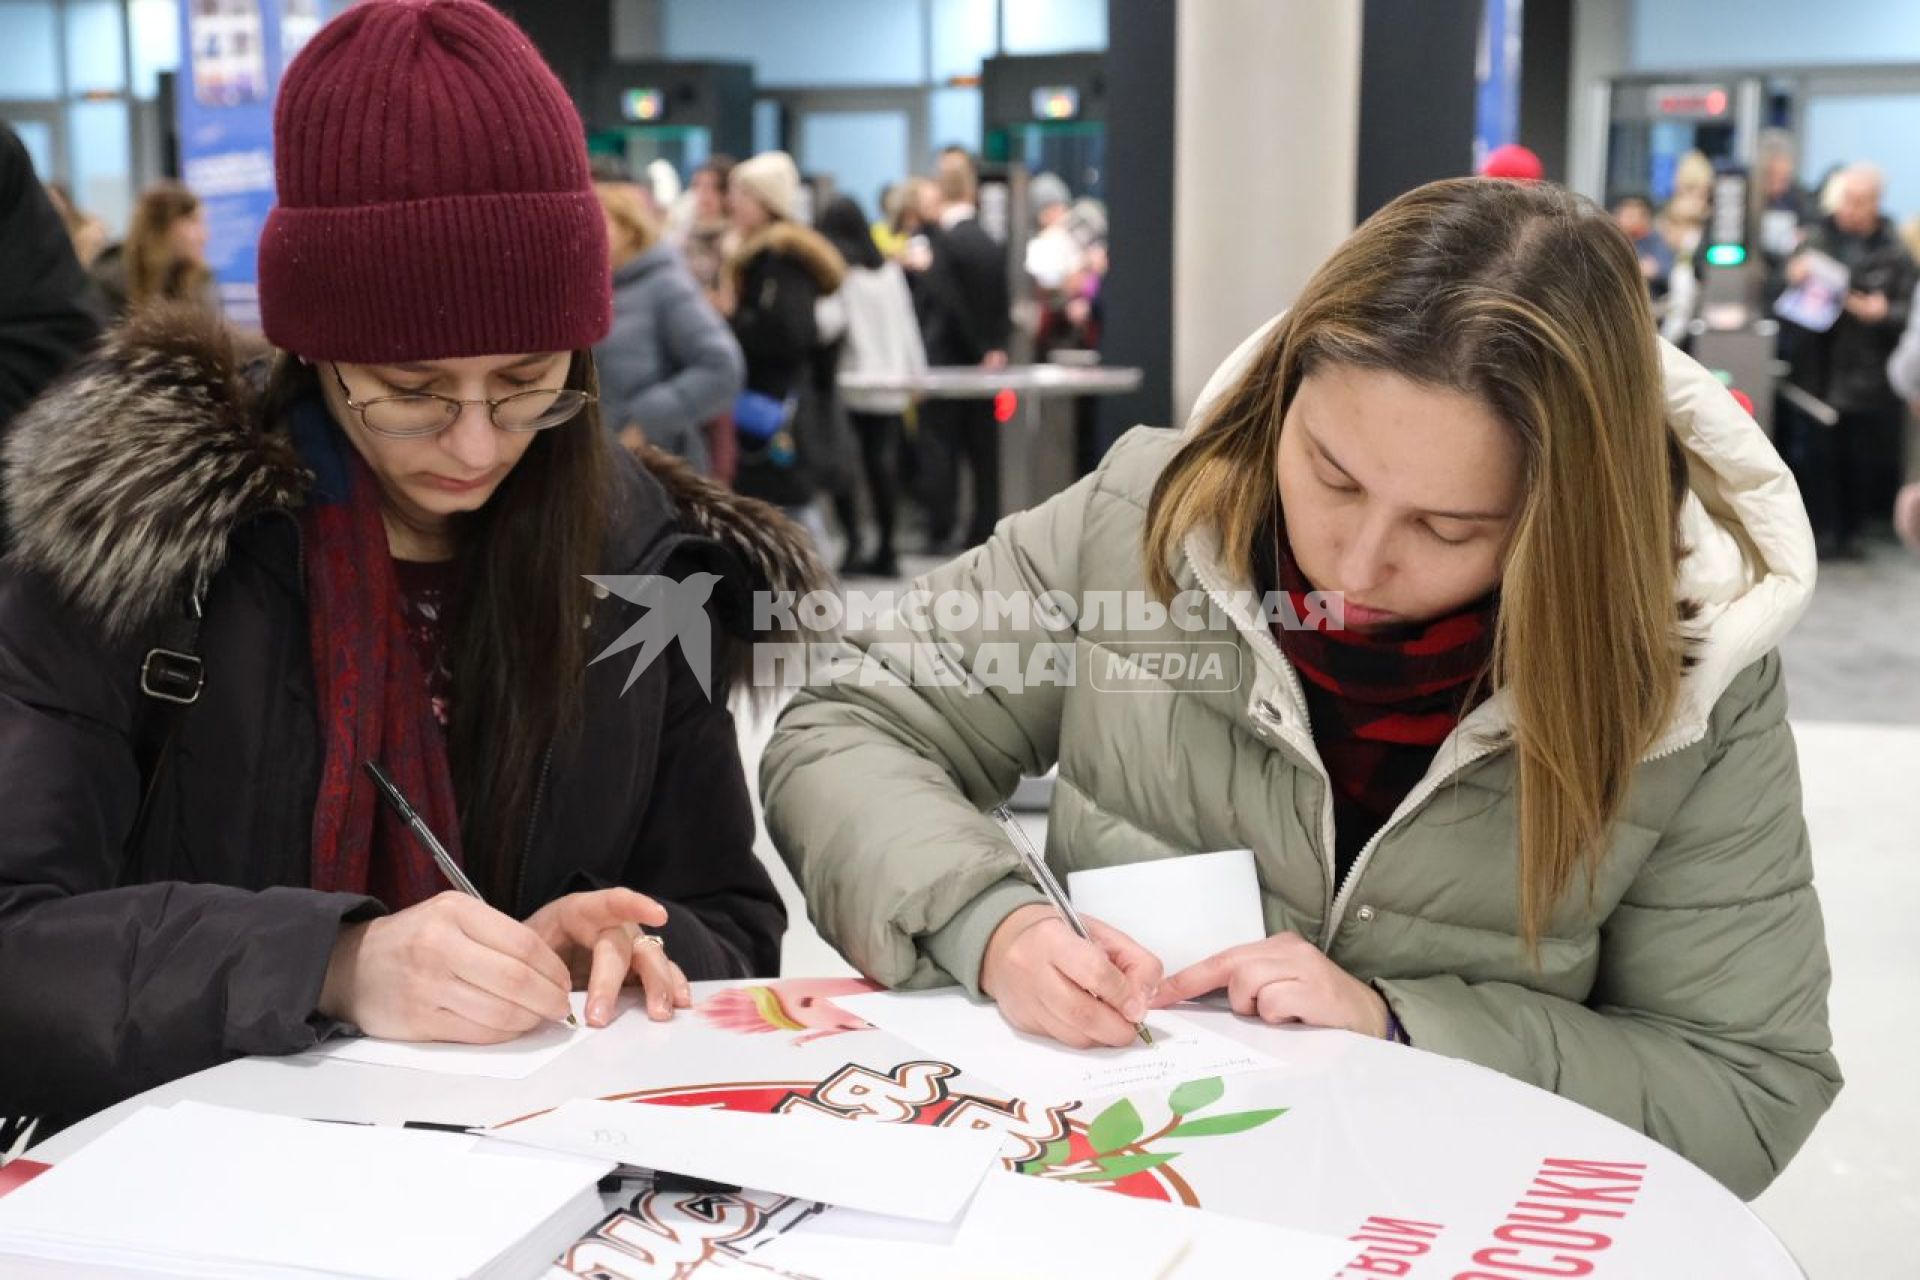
{"x": 1266, "y": 133}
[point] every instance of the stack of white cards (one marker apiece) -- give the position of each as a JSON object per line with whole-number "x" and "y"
{"x": 206, "y": 1191}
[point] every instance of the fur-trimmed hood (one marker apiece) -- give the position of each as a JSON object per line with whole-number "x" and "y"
{"x": 803, "y": 244}
{"x": 123, "y": 485}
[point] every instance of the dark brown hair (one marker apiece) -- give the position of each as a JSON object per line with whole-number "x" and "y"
{"x": 516, "y": 642}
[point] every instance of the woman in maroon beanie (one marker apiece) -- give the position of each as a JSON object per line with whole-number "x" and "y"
{"x": 223, "y": 605}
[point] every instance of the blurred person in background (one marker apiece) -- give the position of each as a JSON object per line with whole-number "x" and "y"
{"x": 1053, "y": 254}
{"x": 1685, "y": 217}
{"x": 776, "y": 276}
{"x": 1634, "y": 214}
{"x": 1849, "y": 472}
{"x": 1786, "y": 207}
{"x": 966, "y": 319}
{"x": 88, "y": 233}
{"x": 1903, "y": 373}
{"x": 46, "y": 317}
{"x": 708, "y": 239}
{"x": 882, "y": 337}
{"x": 164, "y": 257}
{"x": 669, "y": 364}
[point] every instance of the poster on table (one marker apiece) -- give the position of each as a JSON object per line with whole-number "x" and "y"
{"x": 231, "y": 55}
{"x": 1432, "y": 1168}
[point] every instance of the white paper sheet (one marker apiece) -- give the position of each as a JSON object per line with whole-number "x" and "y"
{"x": 909, "y": 1171}
{"x": 844, "y": 1245}
{"x": 973, "y": 1036}
{"x": 1183, "y": 909}
{"x": 514, "y": 1060}
{"x": 251, "y": 1194}
{"x": 1043, "y": 1220}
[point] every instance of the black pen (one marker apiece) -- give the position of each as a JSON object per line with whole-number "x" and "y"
{"x": 422, "y": 832}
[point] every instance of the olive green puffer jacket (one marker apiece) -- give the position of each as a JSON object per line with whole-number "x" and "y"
{"x": 1687, "y": 998}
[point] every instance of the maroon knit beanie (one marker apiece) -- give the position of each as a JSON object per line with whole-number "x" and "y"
{"x": 434, "y": 194}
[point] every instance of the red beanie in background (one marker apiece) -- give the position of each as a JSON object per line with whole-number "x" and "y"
{"x": 434, "y": 199}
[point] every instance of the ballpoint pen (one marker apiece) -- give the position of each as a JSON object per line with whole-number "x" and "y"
{"x": 424, "y": 834}
{"x": 1043, "y": 879}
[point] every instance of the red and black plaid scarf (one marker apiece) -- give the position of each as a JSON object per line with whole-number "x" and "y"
{"x": 373, "y": 704}
{"x": 1381, "y": 702}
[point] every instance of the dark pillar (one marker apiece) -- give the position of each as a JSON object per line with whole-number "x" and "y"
{"x": 1137, "y": 304}
{"x": 1416, "y": 96}
{"x": 574, "y": 36}
{"x": 1546, "y": 81}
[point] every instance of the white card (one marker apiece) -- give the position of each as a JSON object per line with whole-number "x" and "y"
{"x": 974, "y": 1037}
{"x": 1181, "y": 908}
{"x": 1030, "y": 1220}
{"x": 205, "y": 1190}
{"x": 514, "y": 1060}
{"x": 907, "y": 1170}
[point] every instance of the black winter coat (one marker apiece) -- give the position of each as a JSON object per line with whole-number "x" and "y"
{"x": 46, "y": 316}
{"x": 124, "y": 967}
{"x": 1847, "y": 365}
{"x": 965, "y": 308}
{"x": 777, "y": 278}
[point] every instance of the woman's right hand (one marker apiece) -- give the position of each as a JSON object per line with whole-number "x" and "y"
{"x": 451, "y": 968}
{"x": 1049, "y": 981}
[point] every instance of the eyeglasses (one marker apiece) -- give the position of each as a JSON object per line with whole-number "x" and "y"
{"x": 422, "y": 413}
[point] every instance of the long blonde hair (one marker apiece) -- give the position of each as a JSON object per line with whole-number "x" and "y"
{"x": 153, "y": 272}
{"x": 1530, "y": 299}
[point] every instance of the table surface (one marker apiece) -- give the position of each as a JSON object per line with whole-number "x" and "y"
{"x": 1434, "y": 1162}
{"x": 973, "y": 382}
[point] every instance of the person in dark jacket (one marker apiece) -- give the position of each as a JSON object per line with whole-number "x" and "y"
{"x": 965, "y": 317}
{"x": 781, "y": 269}
{"x": 46, "y": 319}
{"x": 223, "y": 605}
{"x": 1850, "y": 472}
{"x": 670, "y": 364}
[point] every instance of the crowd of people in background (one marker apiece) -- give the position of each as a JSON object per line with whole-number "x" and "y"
{"x": 743, "y": 297}
{"x": 1859, "y": 372}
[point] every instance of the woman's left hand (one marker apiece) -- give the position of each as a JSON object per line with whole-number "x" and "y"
{"x": 599, "y": 936}
{"x": 1284, "y": 978}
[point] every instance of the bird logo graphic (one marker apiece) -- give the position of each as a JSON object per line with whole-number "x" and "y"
{"x": 675, "y": 611}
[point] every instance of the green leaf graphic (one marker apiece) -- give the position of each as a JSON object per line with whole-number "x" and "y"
{"x": 1115, "y": 1127}
{"x": 1056, "y": 1153}
{"x": 1196, "y": 1095}
{"x": 1114, "y": 1168}
{"x": 1232, "y": 1122}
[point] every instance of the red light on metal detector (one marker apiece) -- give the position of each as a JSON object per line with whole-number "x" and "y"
{"x": 1005, "y": 405}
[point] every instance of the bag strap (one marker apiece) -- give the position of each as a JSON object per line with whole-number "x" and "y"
{"x": 171, "y": 678}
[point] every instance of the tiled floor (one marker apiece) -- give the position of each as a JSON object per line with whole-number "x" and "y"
{"x": 1850, "y": 1202}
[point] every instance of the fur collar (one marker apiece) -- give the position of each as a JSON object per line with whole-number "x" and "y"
{"x": 803, "y": 244}
{"x": 123, "y": 485}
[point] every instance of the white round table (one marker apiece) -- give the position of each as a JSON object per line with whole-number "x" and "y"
{"x": 1434, "y": 1168}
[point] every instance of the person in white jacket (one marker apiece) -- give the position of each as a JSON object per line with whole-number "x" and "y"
{"x": 874, "y": 313}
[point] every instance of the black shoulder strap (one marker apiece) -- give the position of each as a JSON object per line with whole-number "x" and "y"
{"x": 171, "y": 678}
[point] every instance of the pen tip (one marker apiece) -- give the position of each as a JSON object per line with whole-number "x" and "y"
{"x": 1146, "y": 1036}
{"x": 572, "y": 1021}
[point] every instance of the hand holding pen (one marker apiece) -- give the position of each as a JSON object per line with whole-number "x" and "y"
{"x": 1086, "y": 985}
{"x": 451, "y": 968}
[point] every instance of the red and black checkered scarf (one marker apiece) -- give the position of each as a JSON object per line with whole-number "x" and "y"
{"x": 372, "y": 698}
{"x": 1381, "y": 702}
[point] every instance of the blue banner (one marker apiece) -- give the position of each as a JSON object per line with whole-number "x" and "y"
{"x": 231, "y": 55}
{"x": 1497, "y": 99}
